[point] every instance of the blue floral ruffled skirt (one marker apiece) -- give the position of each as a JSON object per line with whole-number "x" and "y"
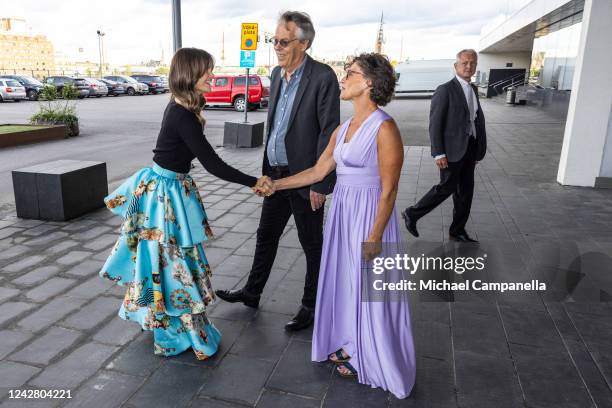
{"x": 160, "y": 260}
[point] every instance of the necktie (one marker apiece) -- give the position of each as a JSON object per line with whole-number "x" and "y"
{"x": 470, "y": 101}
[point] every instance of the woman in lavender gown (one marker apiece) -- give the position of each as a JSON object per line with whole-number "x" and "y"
{"x": 369, "y": 340}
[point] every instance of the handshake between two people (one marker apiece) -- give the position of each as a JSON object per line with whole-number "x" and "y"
{"x": 265, "y": 187}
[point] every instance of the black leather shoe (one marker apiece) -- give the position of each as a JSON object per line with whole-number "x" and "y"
{"x": 301, "y": 320}
{"x": 464, "y": 237}
{"x": 410, "y": 223}
{"x": 238, "y": 295}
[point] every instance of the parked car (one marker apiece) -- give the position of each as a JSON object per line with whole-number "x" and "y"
{"x": 144, "y": 88}
{"x": 32, "y": 85}
{"x": 164, "y": 80}
{"x": 155, "y": 83}
{"x": 79, "y": 83}
{"x": 132, "y": 86}
{"x": 96, "y": 88}
{"x": 114, "y": 88}
{"x": 229, "y": 91}
{"x": 11, "y": 90}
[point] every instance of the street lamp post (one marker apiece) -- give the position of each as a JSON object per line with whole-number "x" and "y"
{"x": 100, "y": 35}
{"x": 176, "y": 25}
{"x": 268, "y": 40}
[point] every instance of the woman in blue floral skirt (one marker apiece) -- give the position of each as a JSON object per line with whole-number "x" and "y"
{"x": 159, "y": 257}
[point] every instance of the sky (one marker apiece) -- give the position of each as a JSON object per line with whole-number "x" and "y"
{"x": 138, "y": 30}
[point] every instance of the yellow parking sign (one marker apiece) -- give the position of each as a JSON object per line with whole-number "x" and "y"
{"x": 248, "y": 41}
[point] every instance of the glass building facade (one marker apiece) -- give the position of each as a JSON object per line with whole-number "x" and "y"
{"x": 555, "y": 48}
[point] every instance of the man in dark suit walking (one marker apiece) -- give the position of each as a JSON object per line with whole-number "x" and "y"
{"x": 458, "y": 142}
{"x": 304, "y": 111}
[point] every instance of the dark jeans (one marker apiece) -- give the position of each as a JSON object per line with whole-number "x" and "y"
{"x": 275, "y": 213}
{"x": 456, "y": 180}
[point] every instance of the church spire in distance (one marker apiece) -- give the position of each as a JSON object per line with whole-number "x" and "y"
{"x": 380, "y": 39}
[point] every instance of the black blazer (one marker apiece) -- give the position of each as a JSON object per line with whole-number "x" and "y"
{"x": 314, "y": 117}
{"x": 449, "y": 117}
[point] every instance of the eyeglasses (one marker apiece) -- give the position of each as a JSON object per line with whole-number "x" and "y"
{"x": 283, "y": 42}
{"x": 350, "y": 72}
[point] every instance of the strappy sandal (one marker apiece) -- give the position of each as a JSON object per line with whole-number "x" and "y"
{"x": 349, "y": 366}
{"x": 339, "y": 357}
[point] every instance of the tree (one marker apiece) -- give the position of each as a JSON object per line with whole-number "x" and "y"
{"x": 162, "y": 71}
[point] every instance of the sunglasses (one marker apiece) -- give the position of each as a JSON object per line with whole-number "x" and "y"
{"x": 283, "y": 42}
{"x": 350, "y": 72}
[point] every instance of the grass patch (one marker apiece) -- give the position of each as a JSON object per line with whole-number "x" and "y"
{"x": 4, "y": 129}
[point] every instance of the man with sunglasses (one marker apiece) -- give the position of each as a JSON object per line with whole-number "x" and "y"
{"x": 304, "y": 110}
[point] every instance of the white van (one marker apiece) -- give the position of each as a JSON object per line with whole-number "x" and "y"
{"x": 421, "y": 78}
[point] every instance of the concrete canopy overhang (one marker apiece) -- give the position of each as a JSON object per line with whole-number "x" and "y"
{"x": 517, "y": 33}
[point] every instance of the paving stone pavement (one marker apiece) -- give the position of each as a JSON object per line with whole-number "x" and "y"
{"x": 59, "y": 327}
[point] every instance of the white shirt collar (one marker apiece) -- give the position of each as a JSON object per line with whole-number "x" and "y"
{"x": 462, "y": 81}
{"x": 468, "y": 91}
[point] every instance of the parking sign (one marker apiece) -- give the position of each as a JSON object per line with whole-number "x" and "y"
{"x": 247, "y": 59}
{"x": 248, "y": 41}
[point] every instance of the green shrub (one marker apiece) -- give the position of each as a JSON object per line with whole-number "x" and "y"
{"x": 70, "y": 92}
{"x": 49, "y": 92}
{"x": 54, "y": 117}
{"x": 56, "y": 112}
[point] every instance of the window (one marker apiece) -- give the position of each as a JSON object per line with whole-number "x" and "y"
{"x": 240, "y": 81}
{"x": 554, "y": 54}
{"x": 221, "y": 82}
{"x": 12, "y": 82}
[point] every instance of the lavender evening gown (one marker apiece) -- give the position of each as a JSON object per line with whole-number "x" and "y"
{"x": 377, "y": 335}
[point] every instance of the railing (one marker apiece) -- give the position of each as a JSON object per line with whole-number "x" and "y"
{"x": 519, "y": 82}
{"x": 41, "y": 74}
{"x": 502, "y": 85}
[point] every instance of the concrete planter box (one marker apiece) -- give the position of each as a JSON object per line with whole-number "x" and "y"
{"x": 238, "y": 134}
{"x": 32, "y": 134}
{"x": 59, "y": 190}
